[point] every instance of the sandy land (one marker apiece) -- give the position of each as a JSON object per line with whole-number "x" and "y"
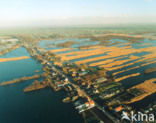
{"x": 122, "y": 34}
{"x": 13, "y": 59}
{"x": 113, "y": 58}
{"x": 145, "y": 58}
{"x": 98, "y": 58}
{"x": 148, "y": 86}
{"x": 145, "y": 64}
{"x": 4, "y": 83}
{"x": 127, "y": 76}
{"x": 119, "y": 35}
{"x": 110, "y": 51}
{"x": 119, "y": 62}
{"x": 104, "y": 62}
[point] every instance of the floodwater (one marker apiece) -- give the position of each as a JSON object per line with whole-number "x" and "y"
{"x": 43, "y": 106}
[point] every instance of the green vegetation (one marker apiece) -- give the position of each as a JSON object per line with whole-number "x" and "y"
{"x": 104, "y": 87}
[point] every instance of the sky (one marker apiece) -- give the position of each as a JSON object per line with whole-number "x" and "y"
{"x": 75, "y": 12}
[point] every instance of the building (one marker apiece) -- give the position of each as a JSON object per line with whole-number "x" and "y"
{"x": 100, "y": 80}
{"x": 118, "y": 109}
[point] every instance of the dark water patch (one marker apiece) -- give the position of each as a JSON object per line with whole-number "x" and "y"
{"x": 144, "y": 102}
{"x": 140, "y": 69}
{"x": 128, "y": 72}
{"x": 132, "y": 81}
{"x": 42, "y": 106}
{"x": 18, "y": 69}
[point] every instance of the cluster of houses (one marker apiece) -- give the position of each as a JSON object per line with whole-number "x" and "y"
{"x": 89, "y": 80}
{"x": 82, "y": 105}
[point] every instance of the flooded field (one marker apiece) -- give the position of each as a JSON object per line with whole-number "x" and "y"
{"x": 125, "y": 58}
{"x": 110, "y": 68}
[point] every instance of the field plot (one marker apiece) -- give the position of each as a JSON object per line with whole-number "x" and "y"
{"x": 124, "y": 56}
{"x": 116, "y": 59}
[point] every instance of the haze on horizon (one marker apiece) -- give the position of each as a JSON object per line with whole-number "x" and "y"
{"x": 15, "y": 13}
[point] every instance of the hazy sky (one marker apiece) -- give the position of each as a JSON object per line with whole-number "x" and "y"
{"x": 68, "y": 12}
